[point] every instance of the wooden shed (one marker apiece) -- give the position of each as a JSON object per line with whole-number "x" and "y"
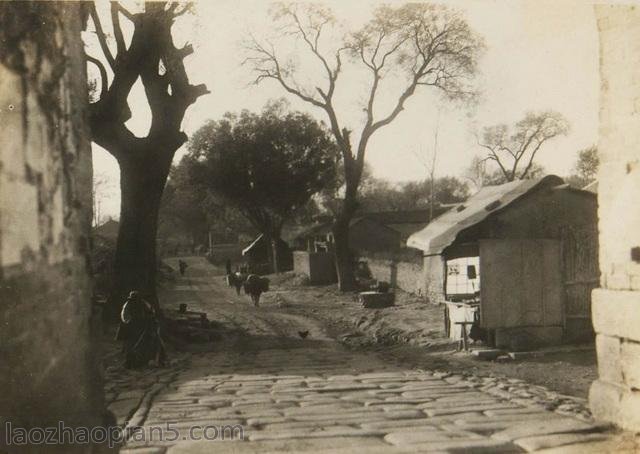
{"x": 525, "y": 253}
{"x": 258, "y": 253}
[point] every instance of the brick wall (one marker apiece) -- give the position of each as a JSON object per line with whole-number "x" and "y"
{"x": 615, "y": 396}
{"x": 49, "y": 365}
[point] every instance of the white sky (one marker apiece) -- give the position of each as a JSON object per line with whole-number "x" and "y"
{"x": 540, "y": 55}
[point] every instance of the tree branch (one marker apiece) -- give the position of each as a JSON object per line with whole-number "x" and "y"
{"x": 117, "y": 30}
{"x": 104, "y": 83}
{"x": 124, "y": 11}
{"x": 494, "y": 156}
{"x": 102, "y": 39}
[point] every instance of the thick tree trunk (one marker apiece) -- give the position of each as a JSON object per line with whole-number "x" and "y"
{"x": 342, "y": 247}
{"x": 271, "y": 243}
{"x": 141, "y": 185}
{"x": 274, "y": 252}
{"x": 343, "y": 258}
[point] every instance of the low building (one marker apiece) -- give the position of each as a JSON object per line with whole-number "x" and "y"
{"x": 406, "y": 222}
{"x": 108, "y": 230}
{"x": 258, "y": 256}
{"x": 526, "y": 251}
{"x": 365, "y": 234}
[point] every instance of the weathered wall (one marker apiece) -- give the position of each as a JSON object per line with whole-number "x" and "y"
{"x": 401, "y": 268}
{"x": 49, "y": 368}
{"x": 540, "y": 214}
{"x": 367, "y": 235}
{"x": 318, "y": 266}
{"x": 615, "y": 396}
{"x": 433, "y": 278}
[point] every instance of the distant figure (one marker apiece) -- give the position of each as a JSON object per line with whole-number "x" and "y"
{"x": 140, "y": 331}
{"x": 236, "y": 280}
{"x": 183, "y": 266}
{"x": 254, "y": 286}
{"x": 228, "y": 267}
{"x": 303, "y": 334}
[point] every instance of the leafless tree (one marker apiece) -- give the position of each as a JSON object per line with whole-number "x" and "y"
{"x": 144, "y": 161}
{"x": 101, "y": 185}
{"x": 423, "y": 45}
{"x": 514, "y": 151}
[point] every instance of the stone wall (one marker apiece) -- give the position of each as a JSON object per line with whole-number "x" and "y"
{"x": 433, "y": 278}
{"x": 49, "y": 366}
{"x": 318, "y": 266}
{"x": 400, "y": 274}
{"x": 615, "y": 396}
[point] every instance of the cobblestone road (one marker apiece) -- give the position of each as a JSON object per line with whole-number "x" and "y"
{"x": 312, "y": 395}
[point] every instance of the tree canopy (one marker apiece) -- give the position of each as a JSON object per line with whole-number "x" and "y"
{"x": 585, "y": 170}
{"x": 514, "y": 148}
{"x": 268, "y": 165}
{"x": 381, "y": 195}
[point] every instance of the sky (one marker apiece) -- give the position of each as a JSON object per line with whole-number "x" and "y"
{"x": 540, "y": 55}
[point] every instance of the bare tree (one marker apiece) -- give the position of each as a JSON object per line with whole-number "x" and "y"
{"x": 144, "y": 161}
{"x": 421, "y": 44}
{"x": 101, "y": 185}
{"x": 429, "y": 163}
{"x": 514, "y": 152}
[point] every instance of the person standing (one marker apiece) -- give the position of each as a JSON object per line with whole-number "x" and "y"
{"x": 140, "y": 332}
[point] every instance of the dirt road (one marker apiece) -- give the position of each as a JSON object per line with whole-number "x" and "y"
{"x": 267, "y": 390}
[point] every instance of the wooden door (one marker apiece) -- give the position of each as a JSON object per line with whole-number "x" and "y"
{"x": 581, "y": 275}
{"x": 521, "y": 283}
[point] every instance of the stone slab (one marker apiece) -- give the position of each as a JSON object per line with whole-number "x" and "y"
{"x": 534, "y": 444}
{"x": 277, "y": 446}
{"x": 553, "y": 426}
{"x": 428, "y": 435}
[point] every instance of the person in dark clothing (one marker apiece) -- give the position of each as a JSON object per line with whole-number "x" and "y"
{"x": 228, "y": 267}
{"x": 140, "y": 332}
{"x": 183, "y": 266}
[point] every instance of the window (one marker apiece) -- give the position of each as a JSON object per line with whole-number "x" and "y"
{"x": 458, "y": 282}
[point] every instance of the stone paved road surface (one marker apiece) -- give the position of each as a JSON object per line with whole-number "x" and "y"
{"x": 312, "y": 395}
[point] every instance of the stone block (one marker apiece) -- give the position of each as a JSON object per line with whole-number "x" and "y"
{"x": 426, "y": 435}
{"x": 552, "y": 426}
{"x": 490, "y": 354}
{"x": 376, "y": 300}
{"x": 349, "y": 444}
{"x": 469, "y": 408}
{"x": 333, "y": 431}
{"x": 616, "y": 313}
{"x": 630, "y": 363}
{"x": 609, "y": 365}
{"x": 534, "y": 444}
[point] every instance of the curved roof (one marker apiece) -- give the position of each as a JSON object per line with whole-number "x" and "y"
{"x": 443, "y": 230}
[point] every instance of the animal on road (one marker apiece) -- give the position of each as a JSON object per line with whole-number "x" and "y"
{"x": 254, "y": 286}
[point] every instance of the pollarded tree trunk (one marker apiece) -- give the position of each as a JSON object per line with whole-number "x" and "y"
{"x": 141, "y": 192}
{"x": 144, "y": 162}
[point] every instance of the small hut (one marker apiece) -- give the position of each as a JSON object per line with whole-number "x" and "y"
{"x": 258, "y": 254}
{"x": 523, "y": 255}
